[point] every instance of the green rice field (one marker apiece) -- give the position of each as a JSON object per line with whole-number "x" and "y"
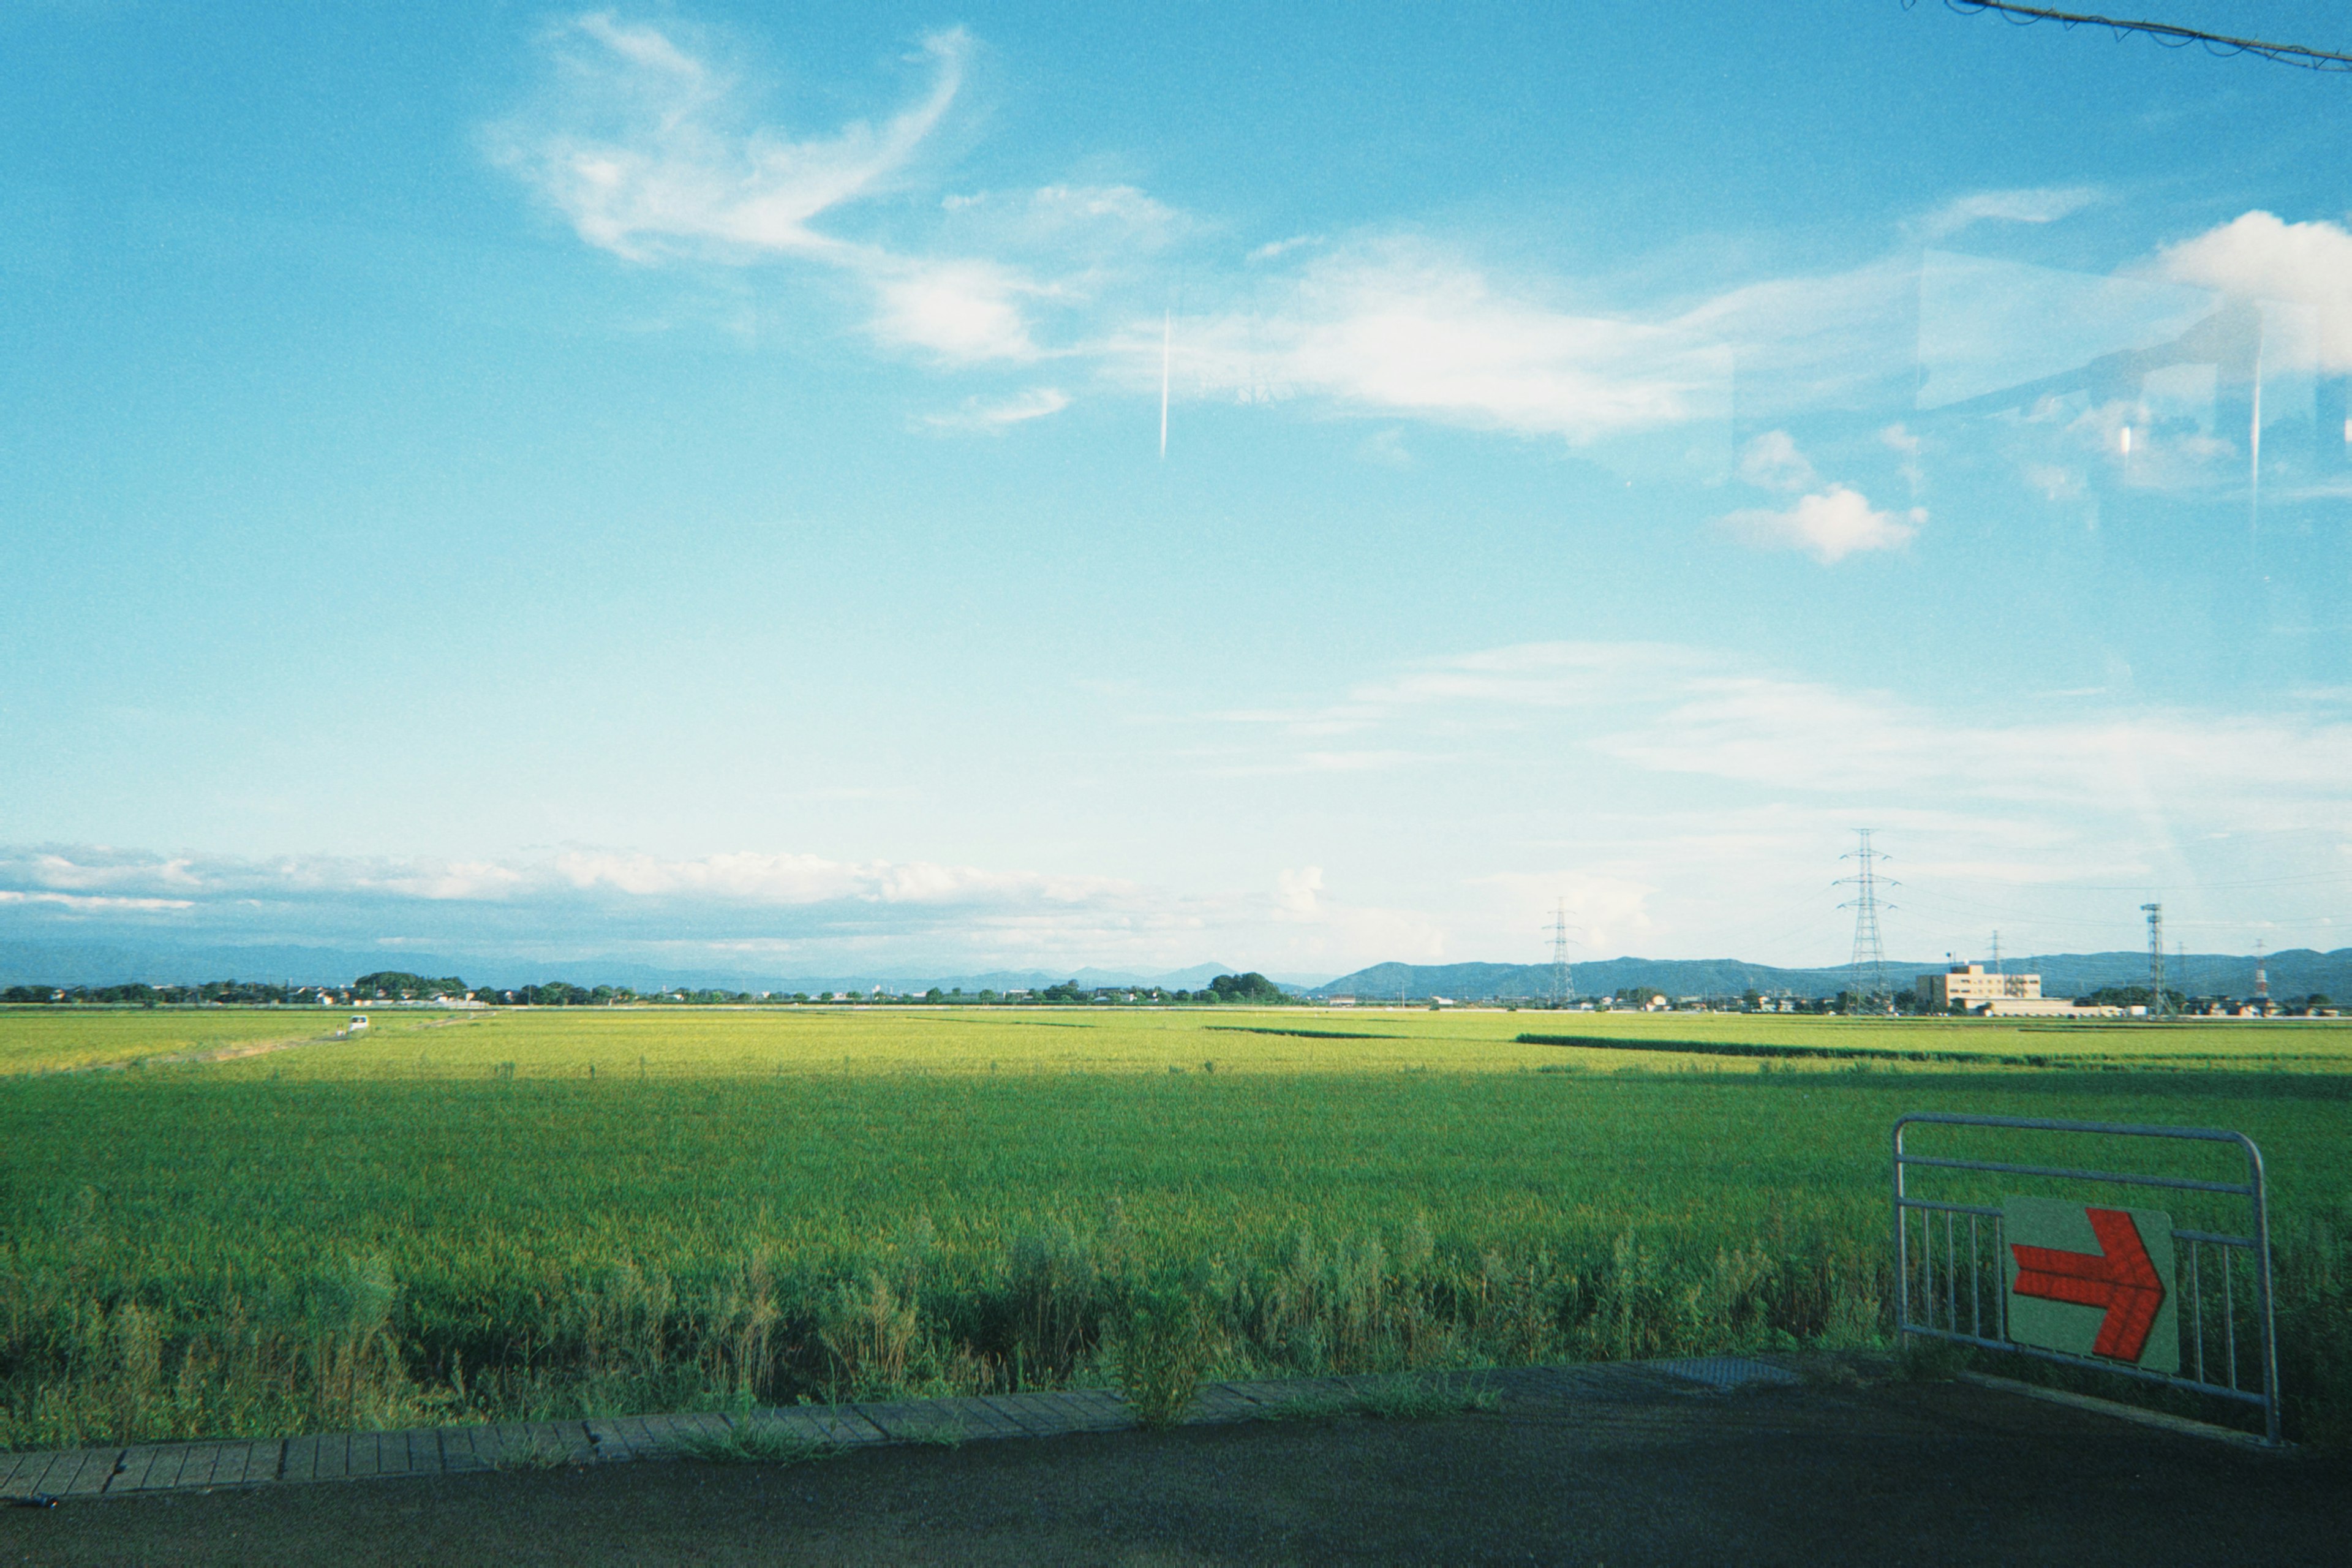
{"x": 462, "y": 1216}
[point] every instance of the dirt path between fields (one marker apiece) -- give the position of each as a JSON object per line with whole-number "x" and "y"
{"x": 1894, "y": 1473}
{"x": 210, "y": 1054}
{"x": 241, "y": 1049}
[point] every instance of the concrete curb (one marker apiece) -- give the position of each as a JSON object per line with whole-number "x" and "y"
{"x": 147, "y": 1469}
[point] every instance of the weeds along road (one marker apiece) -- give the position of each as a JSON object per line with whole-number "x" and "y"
{"x": 1913, "y": 1473}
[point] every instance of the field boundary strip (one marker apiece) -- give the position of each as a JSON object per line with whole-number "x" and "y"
{"x": 1890, "y": 1054}
{"x": 999, "y": 1023}
{"x": 1305, "y": 1033}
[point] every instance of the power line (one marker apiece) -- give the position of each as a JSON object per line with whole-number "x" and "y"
{"x": 2195, "y": 885}
{"x": 2165, "y": 33}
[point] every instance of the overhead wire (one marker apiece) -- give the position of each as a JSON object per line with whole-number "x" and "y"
{"x": 2171, "y": 36}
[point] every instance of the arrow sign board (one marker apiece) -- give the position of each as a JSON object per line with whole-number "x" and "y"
{"x": 2091, "y": 1281}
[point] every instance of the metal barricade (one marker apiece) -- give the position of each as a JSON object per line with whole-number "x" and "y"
{"x": 1944, "y": 1293}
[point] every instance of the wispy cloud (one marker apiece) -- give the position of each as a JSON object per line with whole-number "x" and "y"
{"x": 1401, "y": 325}
{"x": 642, "y": 146}
{"x": 1672, "y": 708}
{"x": 1772, "y": 462}
{"x": 89, "y": 902}
{"x": 992, "y": 417}
{"x": 651, "y": 146}
{"x": 651, "y": 151}
{"x": 1534, "y": 675}
{"x": 2038, "y": 204}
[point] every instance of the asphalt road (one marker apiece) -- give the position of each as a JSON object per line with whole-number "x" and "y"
{"x": 1891, "y": 1474}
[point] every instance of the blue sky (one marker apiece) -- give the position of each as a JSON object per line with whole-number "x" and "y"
{"x": 687, "y": 481}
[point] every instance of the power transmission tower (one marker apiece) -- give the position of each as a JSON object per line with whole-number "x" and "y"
{"x": 2156, "y": 1002}
{"x": 1867, "y": 968}
{"x": 1563, "y": 984}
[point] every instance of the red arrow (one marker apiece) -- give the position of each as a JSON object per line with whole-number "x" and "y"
{"x": 2123, "y": 1281}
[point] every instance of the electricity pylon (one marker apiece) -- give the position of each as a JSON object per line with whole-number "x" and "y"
{"x": 1867, "y": 970}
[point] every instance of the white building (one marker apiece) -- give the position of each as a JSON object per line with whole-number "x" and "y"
{"x": 1968, "y": 985}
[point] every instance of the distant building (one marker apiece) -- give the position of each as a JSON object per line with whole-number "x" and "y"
{"x": 2046, "y": 1007}
{"x": 1340, "y": 1001}
{"x": 1968, "y": 985}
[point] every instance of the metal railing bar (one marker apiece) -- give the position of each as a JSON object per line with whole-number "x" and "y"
{"x": 1956, "y": 1209}
{"x": 2039, "y": 1124}
{"x": 2230, "y": 1316}
{"x": 2180, "y": 1235}
{"x": 2239, "y": 1188}
{"x": 2000, "y": 1295}
{"x": 1951, "y": 1276}
{"x": 2197, "y": 1302}
{"x": 1976, "y": 1279}
{"x": 2242, "y": 1396}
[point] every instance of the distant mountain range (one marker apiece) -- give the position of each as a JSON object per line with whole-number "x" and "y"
{"x": 2294, "y": 973}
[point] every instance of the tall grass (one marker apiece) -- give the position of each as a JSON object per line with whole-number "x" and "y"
{"x": 80, "y": 1363}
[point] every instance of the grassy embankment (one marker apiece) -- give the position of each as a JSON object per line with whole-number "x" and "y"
{"x": 571, "y": 1211}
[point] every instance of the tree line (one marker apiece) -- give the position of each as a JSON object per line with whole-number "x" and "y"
{"x": 1251, "y": 989}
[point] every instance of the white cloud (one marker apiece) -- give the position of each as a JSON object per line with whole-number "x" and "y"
{"x": 2260, "y": 255}
{"x": 994, "y": 418}
{"x": 1540, "y": 675}
{"x": 1840, "y": 340}
{"x": 1299, "y": 892}
{"x": 652, "y": 150}
{"x": 1604, "y": 910}
{"x": 1323, "y": 761}
{"x": 1679, "y": 709}
{"x": 91, "y": 902}
{"x": 1284, "y": 247}
{"x": 1761, "y": 730}
{"x": 750, "y": 878}
{"x": 642, "y": 149}
{"x": 1897, "y": 438}
{"x": 648, "y": 150}
{"x": 1772, "y": 462}
{"x": 652, "y": 147}
{"x": 1121, "y": 210}
{"x": 1830, "y": 526}
{"x": 1404, "y": 326}
{"x": 2041, "y": 204}
{"x": 967, "y": 311}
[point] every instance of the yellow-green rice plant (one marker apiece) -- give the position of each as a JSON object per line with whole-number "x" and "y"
{"x": 1163, "y": 1352}
{"x": 1628, "y": 1305}
{"x": 870, "y": 1335}
{"x": 1058, "y": 1293}
{"x": 738, "y": 1327}
{"x": 1518, "y": 1303}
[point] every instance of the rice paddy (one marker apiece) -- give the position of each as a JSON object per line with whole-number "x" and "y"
{"x": 574, "y": 1211}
